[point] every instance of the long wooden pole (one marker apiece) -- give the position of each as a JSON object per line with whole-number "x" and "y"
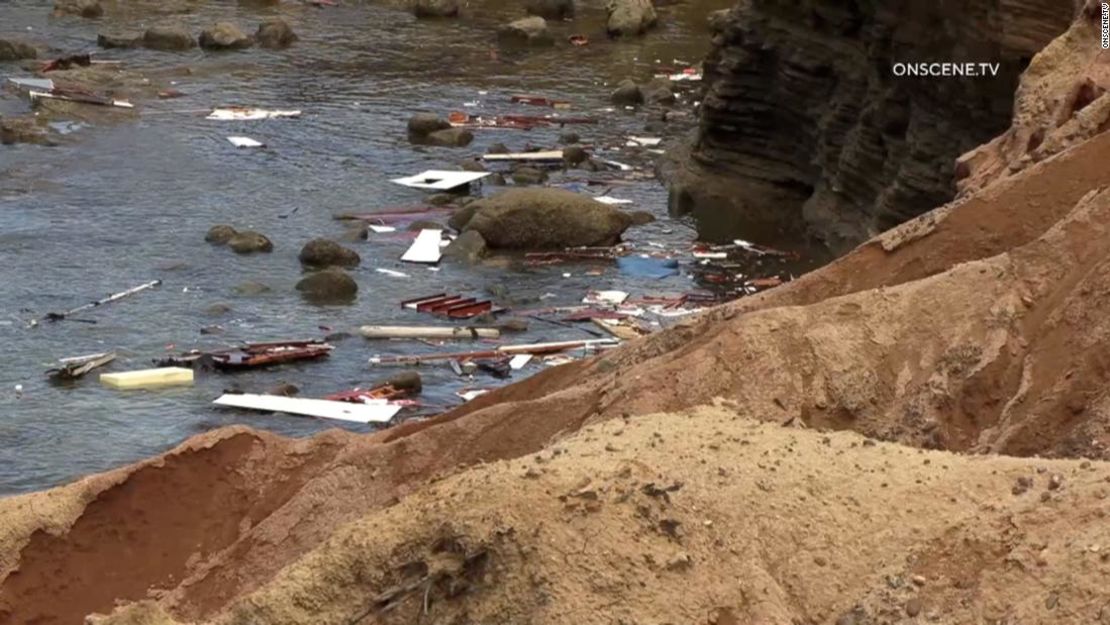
{"x": 428, "y": 332}
{"x": 55, "y": 316}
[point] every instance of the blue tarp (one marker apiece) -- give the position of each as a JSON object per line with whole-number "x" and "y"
{"x": 648, "y": 267}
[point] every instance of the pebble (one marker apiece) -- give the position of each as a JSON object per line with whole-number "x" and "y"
{"x": 913, "y": 607}
{"x": 918, "y": 580}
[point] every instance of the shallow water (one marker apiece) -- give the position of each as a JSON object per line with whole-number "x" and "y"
{"x": 125, "y": 201}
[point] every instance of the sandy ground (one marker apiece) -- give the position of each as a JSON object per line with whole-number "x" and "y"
{"x": 606, "y": 491}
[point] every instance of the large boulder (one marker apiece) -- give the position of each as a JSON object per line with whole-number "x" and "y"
{"x": 469, "y": 248}
{"x": 629, "y": 17}
{"x": 528, "y": 31}
{"x": 12, "y": 50}
{"x": 80, "y": 8}
{"x": 324, "y": 253}
{"x": 449, "y": 138}
{"x": 627, "y": 93}
{"x": 545, "y": 219}
{"x": 330, "y": 286}
{"x": 275, "y": 33}
{"x": 169, "y": 37}
{"x": 435, "y": 8}
{"x": 249, "y": 242}
{"x": 225, "y": 36}
{"x": 550, "y": 9}
{"x": 422, "y": 124}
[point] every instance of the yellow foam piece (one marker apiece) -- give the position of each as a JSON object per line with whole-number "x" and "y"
{"x": 148, "y": 378}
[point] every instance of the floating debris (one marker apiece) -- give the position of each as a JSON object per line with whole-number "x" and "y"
{"x": 250, "y": 355}
{"x": 440, "y": 180}
{"x": 428, "y": 332}
{"x": 148, "y": 378}
{"x": 242, "y": 113}
{"x": 58, "y": 316}
{"x": 77, "y": 366}
{"x": 426, "y": 248}
{"x": 245, "y": 142}
{"x": 454, "y": 306}
{"x": 381, "y": 411}
{"x": 536, "y": 100}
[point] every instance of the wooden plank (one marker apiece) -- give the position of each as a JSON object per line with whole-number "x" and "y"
{"x": 548, "y": 155}
{"x": 378, "y": 412}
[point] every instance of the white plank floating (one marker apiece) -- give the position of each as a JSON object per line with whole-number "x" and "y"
{"x": 245, "y": 142}
{"x": 248, "y": 114}
{"x": 438, "y": 180}
{"x": 548, "y": 155}
{"x": 381, "y": 412}
{"x": 605, "y": 199}
{"x": 425, "y": 249}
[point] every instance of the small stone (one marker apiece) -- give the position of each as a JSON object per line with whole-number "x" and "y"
{"x": 1055, "y": 482}
{"x": 819, "y": 561}
{"x": 918, "y": 580}
{"x": 220, "y": 234}
{"x": 224, "y": 36}
{"x": 81, "y": 8}
{"x": 680, "y": 562}
{"x": 1021, "y": 485}
{"x": 249, "y": 242}
{"x": 913, "y": 607}
{"x": 275, "y": 33}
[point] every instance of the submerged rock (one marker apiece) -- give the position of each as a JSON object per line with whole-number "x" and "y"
{"x": 421, "y": 124}
{"x": 469, "y": 247}
{"x": 12, "y": 50}
{"x": 225, "y": 36}
{"x": 545, "y": 219}
{"x": 330, "y": 286}
{"x": 658, "y": 91}
{"x": 80, "y": 8}
{"x": 251, "y": 288}
{"x": 627, "y": 93}
{"x": 325, "y": 253}
{"x": 249, "y": 242}
{"x": 275, "y": 33}
{"x": 574, "y": 155}
{"x": 220, "y": 234}
{"x": 119, "y": 40}
{"x": 629, "y": 17}
{"x": 550, "y": 9}
{"x": 528, "y": 176}
{"x": 172, "y": 37}
{"x": 528, "y": 31}
{"x": 448, "y": 138}
{"x": 435, "y": 8}
{"x": 24, "y": 129}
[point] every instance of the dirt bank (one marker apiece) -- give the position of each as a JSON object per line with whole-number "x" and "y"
{"x": 979, "y": 327}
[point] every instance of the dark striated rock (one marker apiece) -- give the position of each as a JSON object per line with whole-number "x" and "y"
{"x": 322, "y": 253}
{"x": 550, "y": 9}
{"x": 528, "y": 31}
{"x": 629, "y": 17}
{"x": 220, "y": 234}
{"x": 805, "y": 126}
{"x": 249, "y": 242}
{"x": 168, "y": 37}
{"x": 81, "y": 8}
{"x": 275, "y": 33}
{"x": 435, "y": 8}
{"x": 468, "y": 248}
{"x": 330, "y": 286}
{"x": 12, "y": 50}
{"x": 225, "y": 36}
{"x": 545, "y": 219}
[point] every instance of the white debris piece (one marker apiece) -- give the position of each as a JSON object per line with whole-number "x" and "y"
{"x": 371, "y": 411}
{"x": 440, "y": 180}
{"x": 382, "y": 229}
{"x": 647, "y": 142}
{"x": 239, "y": 113}
{"x": 245, "y": 142}
{"x": 390, "y": 272}
{"x": 519, "y": 361}
{"x": 425, "y": 249}
{"x": 615, "y": 298}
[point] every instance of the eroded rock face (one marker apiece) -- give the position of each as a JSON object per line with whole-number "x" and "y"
{"x": 804, "y": 114}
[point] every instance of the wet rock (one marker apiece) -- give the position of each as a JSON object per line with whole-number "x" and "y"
{"x": 573, "y": 155}
{"x": 12, "y": 50}
{"x": 658, "y": 91}
{"x": 441, "y": 199}
{"x": 718, "y": 20}
{"x": 435, "y": 8}
{"x": 119, "y": 40}
{"x": 422, "y": 124}
{"x": 569, "y": 138}
{"x": 80, "y": 8}
{"x": 217, "y": 310}
{"x": 249, "y": 242}
{"x": 627, "y": 93}
{"x": 528, "y": 176}
{"x": 209, "y": 330}
{"x": 406, "y": 380}
{"x": 251, "y": 288}
{"x": 321, "y": 253}
{"x": 528, "y": 31}
{"x": 225, "y": 36}
{"x": 24, "y": 129}
{"x": 170, "y": 37}
{"x": 495, "y": 180}
{"x": 550, "y": 9}
{"x": 220, "y": 234}
{"x": 275, "y": 33}
{"x": 425, "y": 224}
{"x": 461, "y": 217}
{"x": 472, "y": 165}
{"x": 639, "y": 218}
{"x": 283, "y": 389}
{"x": 515, "y": 326}
{"x": 629, "y": 17}
{"x": 356, "y": 232}
{"x": 330, "y": 286}
{"x": 449, "y": 138}
{"x": 545, "y": 219}
{"x": 468, "y": 248}
{"x": 497, "y": 148}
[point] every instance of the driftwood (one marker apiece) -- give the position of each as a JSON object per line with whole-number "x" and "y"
{"x": 58, "y": 316}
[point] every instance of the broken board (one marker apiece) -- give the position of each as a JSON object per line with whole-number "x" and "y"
{"x": 239, "y": 113}
{"x": 547, "y": 155}
{"x": 426, "y": 248}
{"x": 437, "y": 180}
{"x": 148, "y": 378}
{"x": 377, "y": 412}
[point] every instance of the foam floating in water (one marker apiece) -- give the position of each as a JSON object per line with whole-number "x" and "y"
{"x": 148, "y": 378}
